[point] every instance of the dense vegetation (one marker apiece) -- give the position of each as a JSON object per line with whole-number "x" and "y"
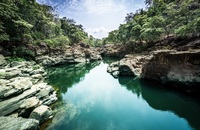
{"x": 161, "y": 19}
{"x": 26, "y": 21}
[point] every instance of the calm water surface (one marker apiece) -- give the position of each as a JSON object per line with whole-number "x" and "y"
{"x": 91, "y": 99}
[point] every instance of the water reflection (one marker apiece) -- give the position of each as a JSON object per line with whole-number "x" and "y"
{"x": 92, "y": 99}
{"x": 165, "y": 100}
{"x": 132, "y": 84}
{"x": 65, "y": 76}
{"x": 161, "y": 99}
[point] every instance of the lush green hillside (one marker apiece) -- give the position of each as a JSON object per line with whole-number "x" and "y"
{"x": 26, "y": 21}
{"x": 160, "y": 19}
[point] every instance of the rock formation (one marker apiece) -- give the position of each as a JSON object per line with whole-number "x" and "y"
{"x": 22, "y": 90}
{"x": 131, "y": 65}
{"x": 67, "y": 54}
{"x": 178, "y": 68}
{"x": 12, "y": 123}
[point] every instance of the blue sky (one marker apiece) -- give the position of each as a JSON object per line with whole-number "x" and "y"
{"x": 97, "y": 16}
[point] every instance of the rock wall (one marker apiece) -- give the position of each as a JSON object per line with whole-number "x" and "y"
{"x": 68, "y": 54}
{"x": 180, "y": 69}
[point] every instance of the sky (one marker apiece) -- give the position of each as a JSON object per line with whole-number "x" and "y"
{"x": 98, "y": 17}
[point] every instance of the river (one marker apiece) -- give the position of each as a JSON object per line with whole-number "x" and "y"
{"x": 91, "y": 99}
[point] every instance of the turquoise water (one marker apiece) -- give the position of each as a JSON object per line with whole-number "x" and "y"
{"x": 91, "y": 99}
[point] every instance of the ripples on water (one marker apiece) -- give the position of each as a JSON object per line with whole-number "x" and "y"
{"x": 91, "y": 99}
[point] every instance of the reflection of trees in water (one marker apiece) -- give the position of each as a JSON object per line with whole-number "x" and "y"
{"x": 65, "y": 76}
{"x": 166, "y": 100}
{"x": 131, "y": 84}
{"x": 161, "y": 99}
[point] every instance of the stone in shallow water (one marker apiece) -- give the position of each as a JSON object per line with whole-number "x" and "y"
{"x": 11, "y": 123}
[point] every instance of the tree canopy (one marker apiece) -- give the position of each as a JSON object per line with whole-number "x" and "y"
{"x": 161, "y": 18}
{"x": 27, "y": 21}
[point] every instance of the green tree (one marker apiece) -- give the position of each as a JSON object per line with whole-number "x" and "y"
{"x": 152, "y": 29}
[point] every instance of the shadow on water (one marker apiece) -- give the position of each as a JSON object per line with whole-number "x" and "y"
{"x": 165, "y": 100}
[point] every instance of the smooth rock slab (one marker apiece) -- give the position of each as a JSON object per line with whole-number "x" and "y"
{"x": 13, "y": 104}
{"x": 11, "y": 123}
{"x": 28, "y": 106}
{"x": 41, "y": 113}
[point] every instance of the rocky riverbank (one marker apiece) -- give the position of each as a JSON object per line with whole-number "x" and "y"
{"x": 23, "y": 91}
{"x": 24, "y": 95}
{"x": 46, "y": 55}
{"x": 179, "y": 69}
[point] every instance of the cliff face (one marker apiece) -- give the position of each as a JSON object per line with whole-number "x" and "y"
{"x": 180, "y": 69}
{"x": 49, "y": 55}
{"x": 68, "y": 54}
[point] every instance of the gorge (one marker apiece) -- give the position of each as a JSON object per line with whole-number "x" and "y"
{"x": 57, "y": 74}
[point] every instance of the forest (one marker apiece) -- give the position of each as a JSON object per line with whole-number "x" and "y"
{"x": 55, "y": 75}
{"x": 160, "y": 19}
{"x": 26, "y": 21}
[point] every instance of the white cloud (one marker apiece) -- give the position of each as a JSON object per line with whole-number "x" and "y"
{"x": 98, "y": 32}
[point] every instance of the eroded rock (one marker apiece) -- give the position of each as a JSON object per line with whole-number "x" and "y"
{"x": 180, "y": 68}
{"x": 131, "y": 65}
